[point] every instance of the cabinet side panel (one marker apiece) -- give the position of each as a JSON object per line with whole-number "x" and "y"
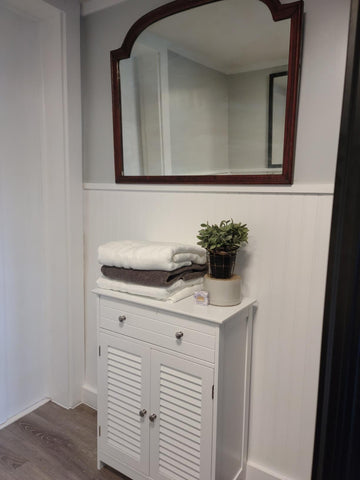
{"x": 231, "y": 448}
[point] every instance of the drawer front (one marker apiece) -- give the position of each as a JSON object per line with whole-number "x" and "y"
{"x": 168, "y": 331}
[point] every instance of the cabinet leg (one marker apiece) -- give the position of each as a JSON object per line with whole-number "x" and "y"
{"x": 100, "y": 464}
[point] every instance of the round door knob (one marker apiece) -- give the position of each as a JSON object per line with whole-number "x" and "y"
{"x": 152, "y": 417}
{"x": 142, "y": 413}
{"x": 122, "y": 318}
{"x": 179, "y": 335}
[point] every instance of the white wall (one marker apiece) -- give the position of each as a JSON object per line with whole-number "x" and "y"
{"x": 130, "y": 118}
{"x": 41, "y": 314}
{"x": 149, "y": 84}
{"x": 24, "y": 335}
{"x": 285, "y": 263}
{"x": 248, "y": 118}
{"x": 198, "y": 117}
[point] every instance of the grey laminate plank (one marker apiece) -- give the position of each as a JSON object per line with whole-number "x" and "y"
{"x": 79, "y": 424}
{"x": 52, "y": 443}
{"x": 34, "y": 455}
{"x": 10, "y": 460}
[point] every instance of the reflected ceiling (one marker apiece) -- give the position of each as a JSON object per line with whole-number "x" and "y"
{"x": 216, "y": 44}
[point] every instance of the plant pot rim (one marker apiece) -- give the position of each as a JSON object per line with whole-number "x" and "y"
{"x": 223, "y": 252}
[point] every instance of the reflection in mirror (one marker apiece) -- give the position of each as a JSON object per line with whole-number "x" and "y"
{"x": 276, "y": 122}
{"x": 195, "y": 96}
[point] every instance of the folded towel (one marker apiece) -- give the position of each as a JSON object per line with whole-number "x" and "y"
{"x": 172, "y": 293}
{"x": 154, "y": 278}
{"x": 142, "y": 255}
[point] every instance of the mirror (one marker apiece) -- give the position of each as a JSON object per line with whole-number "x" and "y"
{"x": 205, "y": 91}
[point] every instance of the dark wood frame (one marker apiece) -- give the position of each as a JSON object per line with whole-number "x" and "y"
{"x": 272, "y": 76}
{"x": 279, "y": 12}
{"x": 337, "y": 439}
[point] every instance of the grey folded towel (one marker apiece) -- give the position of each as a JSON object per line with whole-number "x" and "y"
{"x": 154, "y": 278}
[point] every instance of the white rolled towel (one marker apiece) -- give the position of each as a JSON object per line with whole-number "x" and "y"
{"x": 143, "y": 255}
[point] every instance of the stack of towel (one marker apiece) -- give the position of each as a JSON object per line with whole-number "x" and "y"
{"x": 165, "y": 271}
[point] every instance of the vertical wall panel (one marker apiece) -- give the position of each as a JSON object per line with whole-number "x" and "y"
{"x": 22, "y": 315}
{"x": 3, "y": 366}
{"x": 40, "y": 191}
{"x": 284, "y": 267}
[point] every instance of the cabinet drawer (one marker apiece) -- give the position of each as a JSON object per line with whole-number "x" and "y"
{"x": 168, "y": 331}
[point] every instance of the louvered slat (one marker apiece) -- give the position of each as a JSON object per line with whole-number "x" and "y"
{"x": 126, "y": 397}
{"x": 171, "y": 443}
{"x": 124, "y": 427}
{"x": 176, "y": 396}
{"x": 176, "y": 401}
{"x": 132, "y": 359}
{"x": 181, "y": 435}
{"x": 179, "y": 455}
{"x": 124, "y": 431}
{"x": 173, "y": 470}
{"x": 175, "y": 438}
{"x": 170, "y": 422}
{"x": 130, "y": 373}
{"x": 175, "y": 373}
{"x": 120, "y": 376}
{"x": 175, "y": 390}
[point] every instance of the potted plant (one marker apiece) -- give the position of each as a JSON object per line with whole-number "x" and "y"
{"x": 222, "y": 243}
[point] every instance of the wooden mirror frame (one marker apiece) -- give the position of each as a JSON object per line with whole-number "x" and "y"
{"x": 292, "y": 11}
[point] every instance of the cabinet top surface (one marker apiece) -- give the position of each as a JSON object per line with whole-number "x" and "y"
{"x": 187, "y": 306}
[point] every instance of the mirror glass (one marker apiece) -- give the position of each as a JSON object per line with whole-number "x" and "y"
{"x": 204, "y": 92}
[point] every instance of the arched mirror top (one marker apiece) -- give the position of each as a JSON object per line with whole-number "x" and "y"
{"x": 205, "y": 92}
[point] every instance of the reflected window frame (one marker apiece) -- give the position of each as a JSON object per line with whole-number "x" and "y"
{"x": 272, "y": 77}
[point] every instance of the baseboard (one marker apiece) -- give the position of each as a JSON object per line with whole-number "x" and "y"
{"x": 89, "y": 396}
{"x": 24, "y": 412}
{"x": 258, "y": 472}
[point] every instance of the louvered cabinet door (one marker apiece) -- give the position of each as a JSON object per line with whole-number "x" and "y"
{"x": 124, "y": 372}
{"x": 181, "y": 433}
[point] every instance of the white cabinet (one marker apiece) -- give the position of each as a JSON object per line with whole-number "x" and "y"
{"x": 173, "y": 387}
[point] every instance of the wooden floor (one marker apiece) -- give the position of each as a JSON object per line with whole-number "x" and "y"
{"x": 52, "y": 443}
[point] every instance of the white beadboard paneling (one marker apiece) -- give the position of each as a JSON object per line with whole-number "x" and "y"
{"x": 284, "y": 267}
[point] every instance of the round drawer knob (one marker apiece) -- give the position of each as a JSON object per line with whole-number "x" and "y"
{"x": 122, "y": 318}
{"x": 142, "y": 413}
{"x": 152, "y": 417}
{"x": 179, "y": 335}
